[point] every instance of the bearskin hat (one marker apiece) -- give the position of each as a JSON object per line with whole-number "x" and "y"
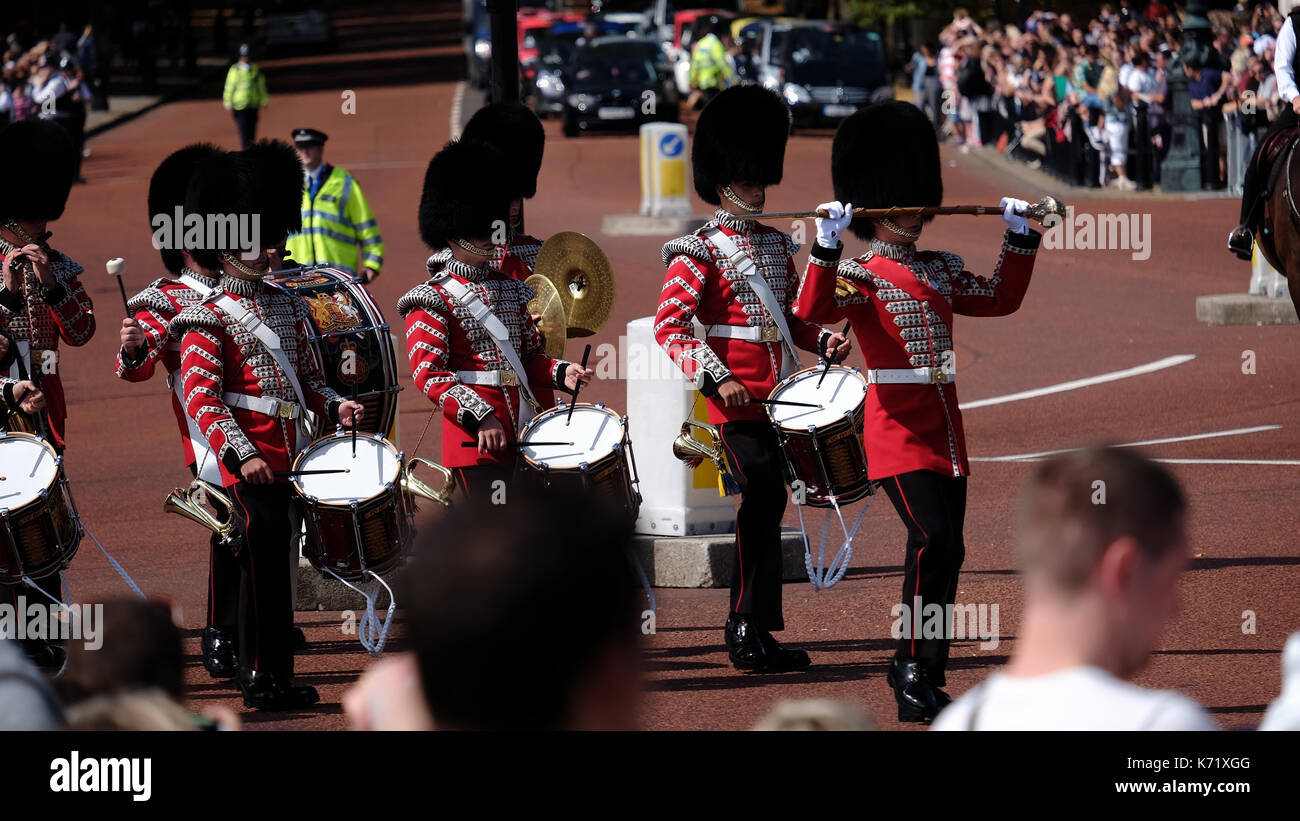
{"x": 216, "y": 189}
{"x": 740, "y": 137}
{"x": 273, "y": 181}
{"x": 884, "y": 155}
{"x": 466, "y": 190}
{"x": 168, "y": 186}
{"x": 41, "y": 166}
{"x": 514, "y": 130}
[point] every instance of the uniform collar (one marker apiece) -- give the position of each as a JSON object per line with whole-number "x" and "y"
{"x": 899, "y": 252}
{"x": 454, "y": 266}
{"x": 729, "y": 220}
{"x": 242, "y": 287}
{"x": 203, "y": 279}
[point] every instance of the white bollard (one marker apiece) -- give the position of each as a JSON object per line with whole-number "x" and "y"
{"x": 1266, "y": 280}
{"x": 675, "y": 500}
{"x": 665, "y": 183}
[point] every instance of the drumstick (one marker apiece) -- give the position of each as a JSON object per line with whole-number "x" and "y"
{"x": 827, "y": 369}
{"x": 586, "y": 353}
{"x": 354, "y": 420}
{"x": 116, "y": 267}
{"x": 289, "y": 474}
{"x": 785, "y": 402}
{"x": 518, "y": 444}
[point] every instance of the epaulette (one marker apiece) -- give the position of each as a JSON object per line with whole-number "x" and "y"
{"x": 152, "y": 297}
{"x": 692, "y": 245}
{"x": 423, "y": 296}
{"x": 195, "y": 316}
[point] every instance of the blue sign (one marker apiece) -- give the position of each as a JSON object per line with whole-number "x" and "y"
{"x": 671, "y": 145}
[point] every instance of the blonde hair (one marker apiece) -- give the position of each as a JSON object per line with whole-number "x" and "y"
{"x": 149, "y": 710}
{"x": 815, "y": 714}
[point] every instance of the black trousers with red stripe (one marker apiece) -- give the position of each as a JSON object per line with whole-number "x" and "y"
{"x": 933, "y": 507}
{"x": 264, "y": 516}
{"x": 755, "y": 455}
{"x": 223, "y": 584}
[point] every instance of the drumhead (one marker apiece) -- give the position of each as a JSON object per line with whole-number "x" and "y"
{"x": 374, "y": 466}
{"x": 594, "y": 432}
{"x": 843, "y": 390}
{"x": 27, "y": 466}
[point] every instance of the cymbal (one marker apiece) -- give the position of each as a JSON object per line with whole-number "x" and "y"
{"x": 547, "y": 303}
{"x": 582, "y": 275}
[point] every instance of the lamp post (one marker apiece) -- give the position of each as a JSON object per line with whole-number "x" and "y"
{"x": 1181, "y": 170}
{"x": 505, "y": 50}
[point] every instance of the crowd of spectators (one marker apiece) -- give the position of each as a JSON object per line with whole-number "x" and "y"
{"x": 1088, "y": 100}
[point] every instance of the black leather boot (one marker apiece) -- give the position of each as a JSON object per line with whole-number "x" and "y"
{"x": 783, "y": 659}
{"x": 269, "y": 691}
{"x": 297, "y": 638}
{"x": 744, "y": 644}
{"x": 219, "y": 653}
{"x": 912, "y": 690}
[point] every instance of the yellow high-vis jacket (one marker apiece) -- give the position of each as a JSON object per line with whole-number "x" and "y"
{"x": 338, "y": 227}
{"x": 245, "y": 88}
{"x": 709, "y": 65}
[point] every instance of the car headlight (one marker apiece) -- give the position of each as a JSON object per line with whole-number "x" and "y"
{"x": 483, "y": 48}
{"x": 581, "y": 100}
{"x": 796, "y": 94}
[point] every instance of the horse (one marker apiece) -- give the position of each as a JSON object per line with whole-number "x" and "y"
{"x": 1278, "y": 236}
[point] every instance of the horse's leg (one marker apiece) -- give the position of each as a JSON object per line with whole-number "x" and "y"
{"x": 1286, "y": 237}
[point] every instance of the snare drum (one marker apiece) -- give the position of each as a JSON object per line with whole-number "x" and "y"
{"x": 39, "y": 530}
{"x": 357, "y": 522}
{"x": 595, "y": 455}
{"x": 351, "y": 341}
{"x": 823, "y": 445}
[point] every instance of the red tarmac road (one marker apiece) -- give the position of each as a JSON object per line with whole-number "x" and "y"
{"x": 1087, "y": 313}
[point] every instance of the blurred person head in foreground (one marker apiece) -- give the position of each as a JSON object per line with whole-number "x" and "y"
{"x": 141, "y": 650}
{"x": 1284, "y": 712}
{"x": 821, "y": 714}
{"x": 524, "y": 615}
{"x": 1101, "y": 540}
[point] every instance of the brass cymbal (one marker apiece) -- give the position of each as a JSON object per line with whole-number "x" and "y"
{"x": 547, "y": 303}
{"x": 582, "y": 275}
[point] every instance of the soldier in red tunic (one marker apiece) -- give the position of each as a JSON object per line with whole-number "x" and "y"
{"x": 901, "y": 303}
{"x": 248, "y": 384}
{"x": 466, "y": 324}
{"x": 725, "y": 275}
{"x": 514, "y": 130}
{"x": 145, "y": 344}
{"x": 42, "y": 300}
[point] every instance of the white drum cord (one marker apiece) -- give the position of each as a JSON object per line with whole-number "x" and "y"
{"x": 372, "y": 632}
{"x": 825, "y": 576}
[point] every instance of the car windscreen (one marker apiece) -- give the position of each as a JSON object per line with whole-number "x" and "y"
{"x": 556, "y": 50}
{"x": 606, "y": 72}
{"x": 849, "y": 57}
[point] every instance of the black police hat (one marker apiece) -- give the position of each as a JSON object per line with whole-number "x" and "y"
{"x": 309, "y": 136}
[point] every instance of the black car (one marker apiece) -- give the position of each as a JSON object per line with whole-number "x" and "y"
{"x": 610, "y": 91}
{"x": 828, "y": 71}
{"x": 643, "y": 48}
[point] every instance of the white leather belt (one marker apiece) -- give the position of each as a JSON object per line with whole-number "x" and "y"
{"x": 911, "y": 376}
{"x": 265, "y": 405}
{"x": 749, "y": 333}
{"x": 495, "y": 379}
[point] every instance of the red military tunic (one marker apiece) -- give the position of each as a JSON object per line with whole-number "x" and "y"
{"x": 524, "y": 250}
{"x": 702, "y": 284}
{"x": 42, "y": 319}
{"x": 902, "y": 303}
{"x": 219, "y": 356}
{"x": 443, "y": 339}
{"x": 154, "y": 308}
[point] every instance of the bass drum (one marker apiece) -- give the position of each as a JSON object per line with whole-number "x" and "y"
{"x": 351, "y": 340}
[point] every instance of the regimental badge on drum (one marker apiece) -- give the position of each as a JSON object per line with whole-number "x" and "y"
{"x": 334, "y": 312}
{"x": 353, "y": 367}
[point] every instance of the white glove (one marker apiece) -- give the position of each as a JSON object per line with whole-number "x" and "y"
{"x": 1012, "y": 215}
{"x": 829, "y": 227}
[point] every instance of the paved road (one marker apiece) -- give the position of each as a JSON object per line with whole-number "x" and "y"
{"x": 1087, "y": 313}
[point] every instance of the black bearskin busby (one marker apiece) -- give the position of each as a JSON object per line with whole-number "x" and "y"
{"x": 273, "y": 181}
{"x": 40, "y": 165}
{"x": 740, "y": 137}
{"x": 514, "y": 130}
{"x": 466, "y": 192}
{"x": 216, "y": 190}
{"x": 167, "y": 189}
{"x": 885, "y": 155}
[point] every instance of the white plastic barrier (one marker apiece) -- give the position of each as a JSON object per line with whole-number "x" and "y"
{"x": 665, "y": 190}
{"x": 1265, "y": 280}
{"x": 675, "y": 500}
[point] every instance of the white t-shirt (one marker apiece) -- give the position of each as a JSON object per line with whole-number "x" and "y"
{"x": 1080, "y": 698}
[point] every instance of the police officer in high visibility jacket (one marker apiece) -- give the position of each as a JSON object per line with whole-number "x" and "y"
{"x": 245, "y": 95}
{"x": 338, "y": 226}
{"x": 711, "y": 71}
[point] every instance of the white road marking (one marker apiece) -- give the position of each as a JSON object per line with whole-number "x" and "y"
{"x": 1032, "y": 457}
{"x": 1075, "y": 384}
{"x": 457, "y": 103}
{"x": 1282, "y": 462}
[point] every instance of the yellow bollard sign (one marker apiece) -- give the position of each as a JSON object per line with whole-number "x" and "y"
{"x": 665, "y": 189}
